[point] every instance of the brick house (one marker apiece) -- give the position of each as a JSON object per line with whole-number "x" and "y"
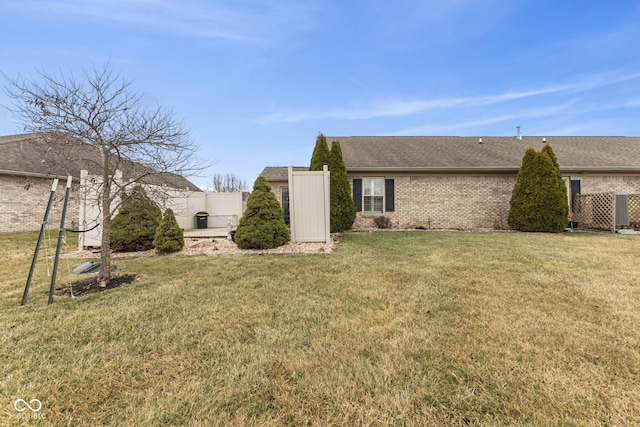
{"x": 466, "y": 182}
{"x": 28, "y": 165}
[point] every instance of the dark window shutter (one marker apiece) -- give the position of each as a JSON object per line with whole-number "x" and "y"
{"x": 575, "y": 190}
{"x": 389, "y": 203}
{"x": 357, "y": 194}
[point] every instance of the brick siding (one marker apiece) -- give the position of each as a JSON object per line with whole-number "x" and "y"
{"x": 470, "y": 202}
{"x": 465, "y": 202}
{"x": 447, "y": 202}
{"x": 609, "y": 184}
{"x": 23, "y": 202}
{"x": 277, "y": 187}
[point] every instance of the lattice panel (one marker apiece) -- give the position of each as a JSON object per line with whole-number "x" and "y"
{"x": 634, "y": 210}
{"x": 595, "y": 211}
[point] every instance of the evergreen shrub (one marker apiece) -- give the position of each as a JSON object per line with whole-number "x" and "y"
{"x": 320, "y": 156}
{"x": 539, "y": 197}
{"x": 134, "y": 227}
{"x": 342, "y": 208}
{"x": 169, "y": 236}
{"x": 262, "y": 225}
{"x": 383, "y": 222}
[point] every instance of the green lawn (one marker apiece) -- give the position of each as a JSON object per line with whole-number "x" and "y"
{"x": 392, "y": 328}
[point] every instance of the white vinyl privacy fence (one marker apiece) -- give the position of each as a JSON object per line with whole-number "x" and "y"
{"x": 221, "y": 207}
{"x": 309, "y": 205}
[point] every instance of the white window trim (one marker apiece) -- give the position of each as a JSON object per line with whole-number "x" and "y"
{"x": 382, "y": 196}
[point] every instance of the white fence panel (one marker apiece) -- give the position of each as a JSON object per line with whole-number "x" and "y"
{"x": 184, "y": 203}
{"x": 309, "y": 205}
{"x": 222, "y": 206}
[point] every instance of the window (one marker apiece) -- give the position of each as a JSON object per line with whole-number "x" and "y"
{"x": 373, "y": 189}
{"x": 284, "y": 192}
{"x": 375, "y": 195}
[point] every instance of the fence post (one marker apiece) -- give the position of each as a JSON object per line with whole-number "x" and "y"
{"x": 613, "y": 212}
{"x": 292, "y": 221}
{"x": 327, "y": 203}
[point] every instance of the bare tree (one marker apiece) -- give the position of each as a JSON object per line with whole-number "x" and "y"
{"x": 228, "y": 183}
{"x": 100, "y": 109}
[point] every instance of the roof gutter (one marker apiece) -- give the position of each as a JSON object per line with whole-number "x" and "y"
{"x": 35, "y": 175}
{"x": 491, "y": 169}
{"x": 433, "y": 170}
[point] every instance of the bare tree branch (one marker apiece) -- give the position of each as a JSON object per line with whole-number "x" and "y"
{"x": 228, "y": 183}
{"x": 101, "y": 110}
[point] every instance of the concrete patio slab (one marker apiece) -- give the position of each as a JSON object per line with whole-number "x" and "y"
{"x": 203, "y": 233}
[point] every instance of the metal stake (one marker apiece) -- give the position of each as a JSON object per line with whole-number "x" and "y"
{"x": 35, "y": 253}
{"x": 60, "y": 236}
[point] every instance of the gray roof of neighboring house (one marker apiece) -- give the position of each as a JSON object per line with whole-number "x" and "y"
{"x": 467, "y": 154}
{"x": 32, "y": 155}
{"x": 280, "y": 173}
{"x": 499, "y": 154}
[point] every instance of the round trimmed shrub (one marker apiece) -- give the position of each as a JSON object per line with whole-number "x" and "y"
{"x": 134, "y": 227}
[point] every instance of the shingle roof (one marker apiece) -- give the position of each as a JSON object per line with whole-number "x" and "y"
{"x": 31, "y": 155}
{"x": 451, "y": 153}
{"x": 280, "y": 173}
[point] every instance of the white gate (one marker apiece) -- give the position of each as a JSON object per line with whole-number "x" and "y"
{"x": 309, "y": 205}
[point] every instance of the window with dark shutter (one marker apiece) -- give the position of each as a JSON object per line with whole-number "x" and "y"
{"x": 357, "y": 194}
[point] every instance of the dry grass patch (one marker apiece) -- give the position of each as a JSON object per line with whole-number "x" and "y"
{"x": 409, "y": 328}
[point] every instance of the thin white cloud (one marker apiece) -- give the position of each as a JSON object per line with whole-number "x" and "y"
{"x": 567, "y": 110}
{"x": 518, "y": 116}
{"x": 255, "y": 22}
{"x": 388, "y": 107}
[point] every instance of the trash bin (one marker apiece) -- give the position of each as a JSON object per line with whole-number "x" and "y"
{"x": 202, "y": 218}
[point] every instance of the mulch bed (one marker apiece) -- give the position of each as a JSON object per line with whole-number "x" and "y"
{"x": 90, "y": 285}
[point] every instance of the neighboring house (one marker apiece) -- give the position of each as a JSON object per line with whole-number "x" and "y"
{"x": 28, "y": 166}
{"x": 466, "y": 182}
{"x": 278, "y": 178}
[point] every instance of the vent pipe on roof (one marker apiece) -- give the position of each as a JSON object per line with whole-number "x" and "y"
{"x": 518, "y": 134}
{"x": 544, "y": 140}
{"x": 480, "y": 141}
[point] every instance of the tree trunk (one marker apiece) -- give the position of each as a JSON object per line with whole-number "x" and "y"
{"x": 104, "y": 275}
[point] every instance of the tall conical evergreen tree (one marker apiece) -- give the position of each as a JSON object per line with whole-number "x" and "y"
{"x": 539, "y": 198}
{"x": 559, "y": 202}
{"x": 320, "y": 156}
{"x": 343, "y": 211}
{"x": 547, "y": 149}
{"x": 262, "y": 225}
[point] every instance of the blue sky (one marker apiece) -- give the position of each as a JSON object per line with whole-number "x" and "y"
{"x": 256, "y": 80}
